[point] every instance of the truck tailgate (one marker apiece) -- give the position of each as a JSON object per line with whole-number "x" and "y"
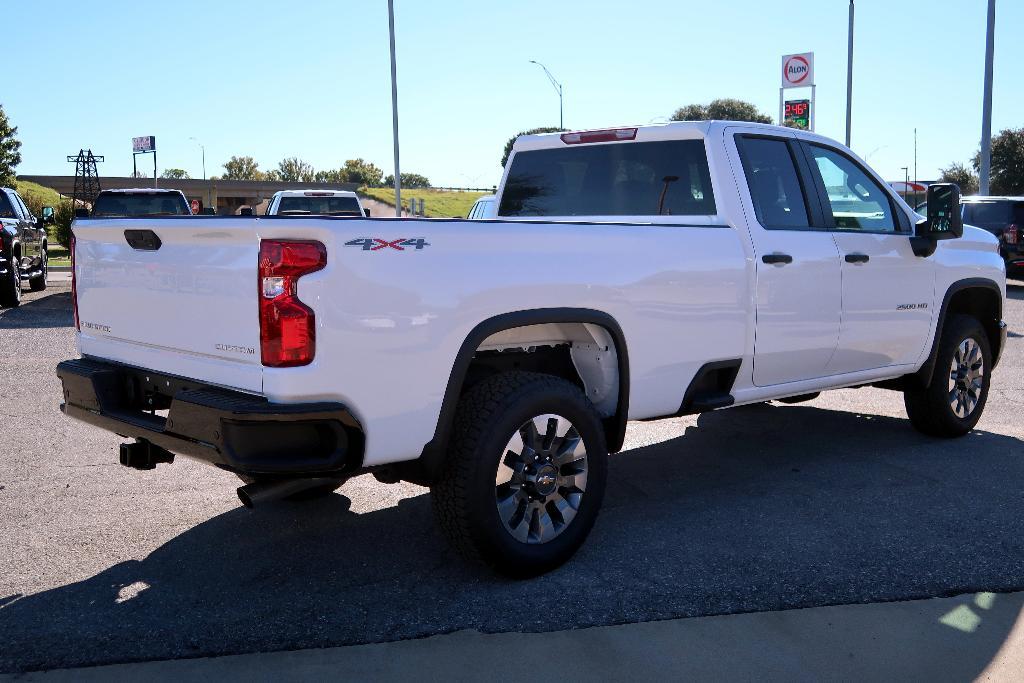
{"x": 188, "y": 307}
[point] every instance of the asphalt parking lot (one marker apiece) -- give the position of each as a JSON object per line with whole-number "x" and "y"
{"x": 760, "y": 508}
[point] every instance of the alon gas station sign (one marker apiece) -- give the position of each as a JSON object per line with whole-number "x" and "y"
{"x": 797, "y": 72}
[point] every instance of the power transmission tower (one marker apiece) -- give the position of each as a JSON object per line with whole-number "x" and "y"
{"x": 87, "y": 179}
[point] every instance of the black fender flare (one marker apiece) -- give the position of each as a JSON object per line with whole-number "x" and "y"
{"x": 434, "y": 451}
{"x": 924, "y": 375}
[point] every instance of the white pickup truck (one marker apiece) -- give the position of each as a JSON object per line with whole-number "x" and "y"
{"x": 631, "y": 274}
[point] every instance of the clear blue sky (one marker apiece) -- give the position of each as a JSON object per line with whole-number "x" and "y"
{"x": 311, "y": 79}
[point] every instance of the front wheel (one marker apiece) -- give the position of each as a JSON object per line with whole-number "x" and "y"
{"x": 952, "y": 404}
{"x": 38, "y": 283}
{"x": 10, "y": 285}
{"x": 525, "y": 474}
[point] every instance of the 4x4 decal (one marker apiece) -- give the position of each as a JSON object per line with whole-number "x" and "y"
{"x": 378, "y": 243}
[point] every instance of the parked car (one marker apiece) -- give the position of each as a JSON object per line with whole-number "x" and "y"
{"x": 139, "y": 202}
{"x": 23, "y": 243}
{"x": 1004, "y": 218}
{"x": 632, "y": 274}
{"x": 485, "y": 207}
{"x": 315, "y": 203}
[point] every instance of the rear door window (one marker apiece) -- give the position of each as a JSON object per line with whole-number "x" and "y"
{"x": 775, "y": 187}
{"x": 6, "y": 209}
{"x": 669, "y": 178}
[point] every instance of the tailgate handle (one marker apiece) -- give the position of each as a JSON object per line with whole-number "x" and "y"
{"x": 142, "y": 240}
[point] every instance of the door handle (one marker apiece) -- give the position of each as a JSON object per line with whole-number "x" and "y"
{"x": 777, "y": 259}
{"x": 857, "y": 258}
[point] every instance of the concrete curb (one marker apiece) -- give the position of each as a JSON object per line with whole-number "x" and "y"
{"x": 949, "y": 639}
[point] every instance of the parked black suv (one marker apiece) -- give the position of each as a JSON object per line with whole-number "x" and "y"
{"x": 1004, "y": 218}
{"x": 22, "y": 248}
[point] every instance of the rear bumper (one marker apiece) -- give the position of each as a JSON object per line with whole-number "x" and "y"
{"x": 230, "y": 429}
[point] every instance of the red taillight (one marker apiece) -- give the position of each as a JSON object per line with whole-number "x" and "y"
{"x": 287, "y": 326}
{"x": 74, "y": 283}
{"x": 586, "y": 136}
{"x": 1011, "y": 235}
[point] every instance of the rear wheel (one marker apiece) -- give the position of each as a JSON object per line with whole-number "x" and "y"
{"x": 10, "y": 285}
{"x": 525, "y": 474}
{"x": 952, "y": 404}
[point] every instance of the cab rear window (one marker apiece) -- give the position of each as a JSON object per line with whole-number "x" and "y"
{"x": 121, "y": 204}
{"x": 320, "y": 206}
{"x": 667, "y": 178}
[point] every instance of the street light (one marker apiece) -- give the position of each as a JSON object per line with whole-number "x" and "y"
{"x": 849, "y": 76}
{"x": 394, "y": 108}
{"x": 986, "y": 105}
{"x": 203, "y": 149}
{"x": 558, "y": 89}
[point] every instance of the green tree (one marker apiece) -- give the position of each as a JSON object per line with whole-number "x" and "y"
{"x": 724, "y": 109}
{"x": 533, "y": 131}
{"x": 362, "y": 172}
{"x": 294, "y": 169}
{"x": 175, "y": 174}
{"x": 1007, "y": 176}
{"x": 410, "y": 180}
{"x": 242, "y": 168}
{"x": 10, "y": 157}
{"x": 961, "y": 175}
{"x": 334, "y": 176}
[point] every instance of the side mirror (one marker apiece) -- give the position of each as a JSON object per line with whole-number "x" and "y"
{"x": 245, "y": 211}
{"x": 945, "y": 219}
{"x": 47, "y": 213}
{"x": 81, "y": 213}
{"x": 366, "y": 212}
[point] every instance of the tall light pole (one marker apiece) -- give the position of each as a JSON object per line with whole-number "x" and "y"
{"x": 203, "y": 150}
{"x": 849, "y": 76}
{"x": 394, "y": 108}
{"x": 986, "y": 108}
{"x": 558, "y": 88}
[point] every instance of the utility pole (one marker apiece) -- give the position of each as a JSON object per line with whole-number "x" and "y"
{"x": 849, "y": 76}
{"x": 394, "y": 108}
{"x": 986, "y": 109}
{"x": 916, "y": 198}
{"x": 558, "y": 88}
{"x": 202, "y": 147}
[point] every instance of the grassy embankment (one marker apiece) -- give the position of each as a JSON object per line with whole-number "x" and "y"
{"x": 436, "y": 203}
{"x": 37, "y": 195}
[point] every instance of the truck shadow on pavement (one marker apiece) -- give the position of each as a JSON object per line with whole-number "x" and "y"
{"x": 764, "y": 508}
{"x": 49, "y": 311}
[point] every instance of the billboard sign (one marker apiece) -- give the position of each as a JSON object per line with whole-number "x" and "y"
{"x": 147, "y": 143}
{"x": 798, "y": 70}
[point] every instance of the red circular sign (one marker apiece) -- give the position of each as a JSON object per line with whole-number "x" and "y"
{"x": 796, "y": 70}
